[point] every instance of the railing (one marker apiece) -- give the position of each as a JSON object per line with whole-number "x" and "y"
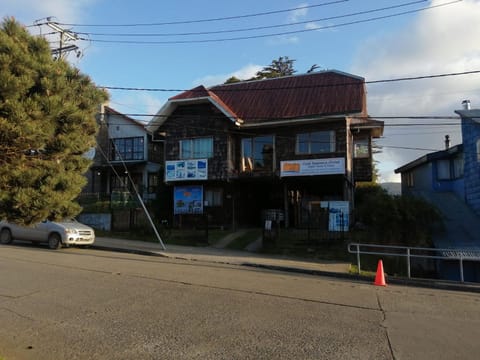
{"x": 415, "y": 252}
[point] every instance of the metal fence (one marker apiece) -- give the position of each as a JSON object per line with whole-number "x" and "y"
{"x": 410, "y": 253}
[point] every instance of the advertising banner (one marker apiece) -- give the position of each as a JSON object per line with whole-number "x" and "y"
{"x": 330, "y": 166}
{"x": 188, "y": 199}
{"x": 179, "y": 170}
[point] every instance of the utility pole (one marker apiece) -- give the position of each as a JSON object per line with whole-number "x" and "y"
{"x": 65, "y": 36}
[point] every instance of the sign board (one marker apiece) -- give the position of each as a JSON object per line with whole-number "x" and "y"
{"x": 312, "y": 167}
{"x": 339, "y": 215}
{"x": 179, "y": 170}
{"x": 188, "y": 199}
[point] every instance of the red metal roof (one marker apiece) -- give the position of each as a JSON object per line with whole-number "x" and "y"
{"x": 298, "y": 96}
{"x": 198, "y": 92}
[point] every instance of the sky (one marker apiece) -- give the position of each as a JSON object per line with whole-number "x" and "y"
{"x": 175, "y": 45}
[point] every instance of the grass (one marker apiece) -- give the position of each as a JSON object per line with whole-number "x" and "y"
{"x": 289, "y": 242}
{"x": 321, "y": 245}
{"x": 354, "y": 270}
{"x": 175, "y": 236}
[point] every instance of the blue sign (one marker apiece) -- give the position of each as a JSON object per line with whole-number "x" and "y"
{"x": 188, "y": 199}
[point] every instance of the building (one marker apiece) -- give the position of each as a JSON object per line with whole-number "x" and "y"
{"x": 450, "y": 180}
{"x": 471, "y": 144}
{"x": 126, "y": 160}
{"x": 278, "y": 149}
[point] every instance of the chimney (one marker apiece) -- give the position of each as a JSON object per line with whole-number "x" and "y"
{"x": 466, "y": 105}
{"x": 447, "y": 142}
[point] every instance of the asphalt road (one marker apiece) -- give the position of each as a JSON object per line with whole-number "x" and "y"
{"x": 89, "y": 304}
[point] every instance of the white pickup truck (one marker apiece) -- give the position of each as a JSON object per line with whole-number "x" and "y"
{"x": 56, "y": 234}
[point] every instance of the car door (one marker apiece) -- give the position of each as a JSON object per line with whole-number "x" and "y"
{"x": 41, "y": 231}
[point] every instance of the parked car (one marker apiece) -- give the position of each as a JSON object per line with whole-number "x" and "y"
{"x": 67, "y": 232}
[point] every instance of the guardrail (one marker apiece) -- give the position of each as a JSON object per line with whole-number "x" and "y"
{"x": 414, "y": 252}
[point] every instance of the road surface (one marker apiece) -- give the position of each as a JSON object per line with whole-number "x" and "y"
{"x": 89, "y": 304}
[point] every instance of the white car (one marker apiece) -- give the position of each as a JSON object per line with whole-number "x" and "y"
{"x": 56, "y": 234}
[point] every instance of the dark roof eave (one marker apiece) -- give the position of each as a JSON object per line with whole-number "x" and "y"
{"x": 430, "y": 157}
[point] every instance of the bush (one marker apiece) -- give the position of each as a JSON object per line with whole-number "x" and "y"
{"x": 394, "y": 220}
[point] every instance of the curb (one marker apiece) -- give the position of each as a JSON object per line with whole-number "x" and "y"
{"x": 421, "y": 283}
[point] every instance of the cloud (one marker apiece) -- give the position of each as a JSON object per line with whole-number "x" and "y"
{"x": 27, "y": 11}
{"x": 299, "y": 13}
{"x": 244, "y": 73}
{"x": 437, "y": 41}
{"x": 140, "y": 103}
{"x": 283, "y": 40}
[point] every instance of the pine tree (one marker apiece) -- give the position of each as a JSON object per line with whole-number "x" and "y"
{"x": 47, "y": 123}
{"x": 278, "y": 68}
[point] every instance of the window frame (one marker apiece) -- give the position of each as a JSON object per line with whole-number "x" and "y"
{"x": 310, "y": 142}
{"x": 249, "y": 163}
{"x": 192, "y": 143}
{"x": 213, "y": 197}
{"x": 153, "y": 181}
{"x": 128, "y": 148}
{"x": 363, "y": 143}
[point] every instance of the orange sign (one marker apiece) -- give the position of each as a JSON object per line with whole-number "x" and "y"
{"x": 291, "y": 167}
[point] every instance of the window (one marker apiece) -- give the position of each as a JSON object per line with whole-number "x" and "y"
{"x": 458, "y": 167}
{"x": 153, "y": 181}
{"x": 316, "y": 142}
{"x": 361, "y": 148}
{"x": 119, "y": 182}
{"x": 443, "y": 170}
{"x": 478, "y": 150}
{"x": 257, "y": 153}
{"x": 200, "y": 148}
{"x": 408, "y": 179}
{"x": 213, "y": 197}
{"x": 127, "y": 149}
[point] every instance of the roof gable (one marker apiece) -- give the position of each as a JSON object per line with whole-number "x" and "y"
{"x": 109, "y": 110}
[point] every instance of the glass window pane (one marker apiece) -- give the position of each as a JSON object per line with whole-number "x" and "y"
{"x": 202, "y": 148}
{"x": 443, "y": 169}
{"x": 319, "y": 142}
{"x": 247, "y": 161}
{"x": 302, "y": 143}
{"x": 185, "y": 149}
{"x": 360, "y": 148}
{"x": 263, "y": 152}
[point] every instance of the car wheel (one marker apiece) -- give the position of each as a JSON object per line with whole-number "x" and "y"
{"x": 54, "y": 241}
{"x": 5, "y": 236}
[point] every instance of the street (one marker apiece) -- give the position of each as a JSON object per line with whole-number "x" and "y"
{"x": 91, "y": 304}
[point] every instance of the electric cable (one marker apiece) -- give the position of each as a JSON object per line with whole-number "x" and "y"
{"x": 325, "y": 27}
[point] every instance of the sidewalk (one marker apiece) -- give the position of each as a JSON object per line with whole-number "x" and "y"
{"x": 279, "y": 263}
{"x": 224, "y": 256}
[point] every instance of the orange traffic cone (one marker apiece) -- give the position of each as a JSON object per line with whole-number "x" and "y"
{"x": 380, "y": 277}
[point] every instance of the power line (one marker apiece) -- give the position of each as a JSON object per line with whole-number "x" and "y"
{"x": 182, "y": 22}
{"x": 224, "y": 89}
{"x": 252, "y": 28}
{"x": 272, "y": 34}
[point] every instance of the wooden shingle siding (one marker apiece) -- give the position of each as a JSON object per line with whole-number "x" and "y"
{"x": 196, "y": 121}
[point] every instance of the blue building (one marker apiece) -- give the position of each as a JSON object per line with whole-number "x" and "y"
{"x": 471, "y": 144}
{"x": 450, "y": 180}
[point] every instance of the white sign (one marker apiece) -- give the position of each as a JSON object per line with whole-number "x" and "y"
{"x": 331, "y": 166}
{"x": 180, "y": 170}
